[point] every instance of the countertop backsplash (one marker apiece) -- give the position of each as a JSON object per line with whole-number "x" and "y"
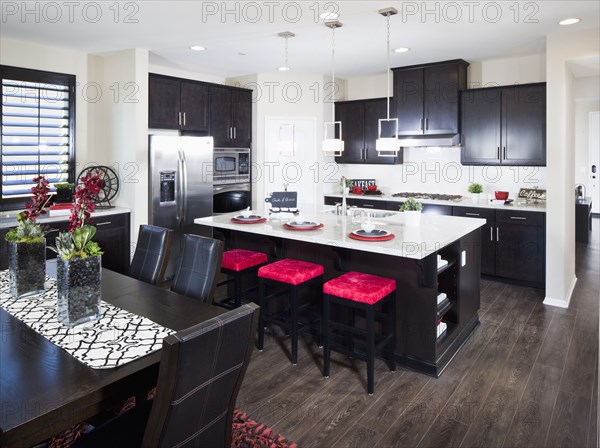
{"x": 438, "y": 170}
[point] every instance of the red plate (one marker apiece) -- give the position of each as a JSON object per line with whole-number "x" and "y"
{"x": 287, "y": 226}
{"x": 372, "y": 238}
{"x": 240, "y": 221}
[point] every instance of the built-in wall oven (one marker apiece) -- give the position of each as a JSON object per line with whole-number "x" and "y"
{"x": 231, "y": 180}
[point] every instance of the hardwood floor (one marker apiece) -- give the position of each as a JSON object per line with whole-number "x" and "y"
{"x": 527, "y": 377}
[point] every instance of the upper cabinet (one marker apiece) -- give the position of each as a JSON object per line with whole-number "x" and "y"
{"x": 177, "y": 104}
{"x": 504, "y": 125}
{"x": 359, "y": 131}
{"x": 426, "y": 97}
{"x": 230, "y": 116}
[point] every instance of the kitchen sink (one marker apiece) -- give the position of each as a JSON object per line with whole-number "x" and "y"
{"x": 356, "y": 212}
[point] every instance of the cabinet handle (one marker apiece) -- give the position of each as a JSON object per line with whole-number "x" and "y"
{"x": 497, "y": 233}
{"x": 498, "y": 156}
{"x": 422, "y": 125}
{"x": 504, "y": 153}
{"x": 179, "y": 118}
{"x": 522, "y": 218}
{"x": 491, "y": 234}
{"x": 472, "y": 214}
{"x": 230, "y": 133}
{"x": 426, "y": 123}
{"x": 234, "y": 133}
{"x": 368, "y": 205}
{"x": 184, "y": 118}
{"x": 103, "y": 223}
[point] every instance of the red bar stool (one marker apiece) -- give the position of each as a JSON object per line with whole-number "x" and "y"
{"x": 287, "y": 276}
{"x": 236, "y": 263}
{"x": 363, "y": 292}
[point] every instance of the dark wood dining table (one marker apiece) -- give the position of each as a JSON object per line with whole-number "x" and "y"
{"x": 44, "y": 390}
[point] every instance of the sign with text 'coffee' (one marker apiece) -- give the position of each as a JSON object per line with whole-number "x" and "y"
{"x": 532, "y": 193}
{"x": 283, "y": 199}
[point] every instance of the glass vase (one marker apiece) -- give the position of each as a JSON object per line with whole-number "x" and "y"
{"x": 27, "y": 268}
{"x": 78, "y": 286}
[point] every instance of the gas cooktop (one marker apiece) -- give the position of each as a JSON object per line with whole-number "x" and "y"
{"x": 435, "y": 196}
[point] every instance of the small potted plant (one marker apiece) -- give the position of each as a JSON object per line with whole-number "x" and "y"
{"x": 412, "y": 212}
{"x": 475, "y": 189}
{"x": 64, "y": 192}
{"x": 346, "y": 184}
{"x": 27, "y": 245}
{"x": 79, "y": 264}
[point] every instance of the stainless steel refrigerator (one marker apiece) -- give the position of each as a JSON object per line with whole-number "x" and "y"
{"x": 180, "y": 187}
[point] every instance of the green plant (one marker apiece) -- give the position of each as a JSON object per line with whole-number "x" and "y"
{"x": 28, "y": 230}
{"x": 475, "y": 188}
{"x": 411, "y": 205}
{"x": 77, "y": 242}
{"x": 64, "y": 185}
{"x": 346, "y": 182}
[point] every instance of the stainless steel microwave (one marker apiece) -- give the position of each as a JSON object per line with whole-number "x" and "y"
{"x": 231, "y": 165}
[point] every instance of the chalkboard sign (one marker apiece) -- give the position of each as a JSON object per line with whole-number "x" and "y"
{"x": 363, "y": 183}
{"x": 532, "y": 193}
{"x": 283, "y": 199}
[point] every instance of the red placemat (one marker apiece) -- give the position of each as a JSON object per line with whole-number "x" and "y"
{"x": 373, "y": 238}
{"x": 287, "y": 226}
{"x": 240, "y": 221}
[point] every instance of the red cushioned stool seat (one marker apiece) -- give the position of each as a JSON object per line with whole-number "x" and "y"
{"x": 372, "y": 295}
{"x": 286, "y": 277}
{"x": 239, "y": 265}
{"x": 240, "y": 259}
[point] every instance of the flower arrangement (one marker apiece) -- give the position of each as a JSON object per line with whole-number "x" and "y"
{"x": 28, "y": 230}
{"x": 411, "y": 205}
{"x": 77, "y": 242}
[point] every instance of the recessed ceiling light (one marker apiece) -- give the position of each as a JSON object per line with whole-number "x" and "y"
{"x": 329, "y": 16}
{"x": 283, "y": 69}
{"x": 401, "y": 50}
{"x": 197, "y": 48}
{"x": 569, "y": 21}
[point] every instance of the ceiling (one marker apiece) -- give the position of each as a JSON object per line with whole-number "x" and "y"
{"x": 241, "y": 37}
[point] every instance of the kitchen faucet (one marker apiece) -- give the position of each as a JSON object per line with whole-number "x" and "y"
{"x": 344, "y": 209}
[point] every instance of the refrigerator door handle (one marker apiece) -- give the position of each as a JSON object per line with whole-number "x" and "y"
{"x": 184, "y": 188}
{"x": 179, "y": 187}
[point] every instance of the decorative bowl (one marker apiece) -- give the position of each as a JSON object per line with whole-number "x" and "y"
{"x": 501, "y": 195}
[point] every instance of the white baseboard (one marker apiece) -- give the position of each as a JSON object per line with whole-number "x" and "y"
{"x": 562, "y": 303}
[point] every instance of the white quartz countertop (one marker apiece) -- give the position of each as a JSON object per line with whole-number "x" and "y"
{"x": 464, "y": 202}
{"x": 9, "y": 219}
{"x": 434, "y": 232}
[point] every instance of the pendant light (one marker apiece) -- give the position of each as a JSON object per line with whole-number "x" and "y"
{"x": 333, "y": 146}
{"x": 285, "y": 137}
{"x": 387, "y": 146}
{"x": 286, "y": 35}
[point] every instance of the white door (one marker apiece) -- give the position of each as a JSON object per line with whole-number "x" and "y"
{"x": 594, "y": 166}
{"x": 290, "y": 152}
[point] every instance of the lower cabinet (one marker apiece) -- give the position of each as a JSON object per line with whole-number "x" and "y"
{"x": 112, "y": 234}
{"x": 513, "y": 244}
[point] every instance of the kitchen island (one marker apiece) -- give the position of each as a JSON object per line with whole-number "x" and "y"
{"x": 411, "y": 258}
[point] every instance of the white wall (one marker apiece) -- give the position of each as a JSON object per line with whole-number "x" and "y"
{"x": 169, "y": 71}
{"x": 587, "y": 99}
{"x": 560, "y": 218}
{"x": 507, "y": 71}
{"x": 364, "y": 87}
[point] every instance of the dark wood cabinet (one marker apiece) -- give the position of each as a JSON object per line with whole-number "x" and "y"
{"x": 360, "y": 129}
{"x": 112, "y": 234}
{"x": 583, "y": 220}
{"x": 513, "y": 244}
{"x": 230, "y": 116}
{"x": 177, "y": 104}
{"x": 426, "y": 97}
{"x": 504, "y": 125}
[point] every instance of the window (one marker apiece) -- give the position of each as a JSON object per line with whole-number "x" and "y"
{"x": 38, "y": 131}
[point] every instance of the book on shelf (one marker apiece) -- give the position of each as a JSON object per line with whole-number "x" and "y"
{"x": 441, "y": 296}
{"x": 441, "y": 328}
{"x": 63, "y": 209}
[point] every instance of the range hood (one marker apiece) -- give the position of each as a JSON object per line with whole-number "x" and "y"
{"x": 414, "y": 141}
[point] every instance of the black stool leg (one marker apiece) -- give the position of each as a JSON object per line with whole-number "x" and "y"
{"x": 261, "y": 304}
{"x": 238, "y": 289}
{"x": 392, "y": 331}
{"x": 370, "y": 350}
{"x": 319, "y": 287}
{"x": 294, "y": 323}
{"x": 325, "y": 332}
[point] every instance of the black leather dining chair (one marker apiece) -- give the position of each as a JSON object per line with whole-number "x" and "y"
{"x": 200, "y": 264}
{"x": 152, "y": 254}
{"x": 201, "y": 371}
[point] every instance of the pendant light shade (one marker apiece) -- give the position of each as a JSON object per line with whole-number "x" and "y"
{"x": 333, "y": 144}
{"x": 388, "y": 145}
{"x": 286, "y": 35}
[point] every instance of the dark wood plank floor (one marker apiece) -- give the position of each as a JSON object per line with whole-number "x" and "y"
{"x": 528, "y": 377}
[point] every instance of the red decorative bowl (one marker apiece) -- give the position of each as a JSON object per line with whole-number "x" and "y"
{"x": 501, "y": 195}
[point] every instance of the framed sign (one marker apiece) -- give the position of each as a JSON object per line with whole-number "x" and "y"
{"x": 283, "y": 199}
{"x": 364, "y": 183}
{"x": 532, "y": 193}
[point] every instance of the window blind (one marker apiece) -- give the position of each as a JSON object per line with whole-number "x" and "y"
{"x": 37, "y": 131}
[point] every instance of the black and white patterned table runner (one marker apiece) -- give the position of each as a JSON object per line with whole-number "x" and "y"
{"x": 117, "y": 338}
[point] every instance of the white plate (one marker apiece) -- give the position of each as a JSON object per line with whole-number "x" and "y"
{"x": 249, "y": 218}
{"x": 377, "y": 233}
{"x": 303, "y": 225}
